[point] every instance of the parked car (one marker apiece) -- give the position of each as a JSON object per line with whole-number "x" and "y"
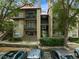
{"x": 9, "y": 55}
{"x": 1, "y": 54}
{"x": 20, "y": 55}
{"x": 35, "y": 54}
{"x": 76, "y": 52}
{"x": 61, "y": 53}
{"x": 14, "y": 55}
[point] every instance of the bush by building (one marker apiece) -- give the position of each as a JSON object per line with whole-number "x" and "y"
{"x": 73, "y": 39}
{"x": 52, "y": 41}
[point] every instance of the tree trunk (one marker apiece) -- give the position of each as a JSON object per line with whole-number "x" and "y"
{"x": 66, "y": 13}
{"x": 66, "y": 37}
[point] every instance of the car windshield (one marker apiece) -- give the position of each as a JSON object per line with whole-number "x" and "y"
{"x": 19, "y": 55}
{"x": 11, "y": 53}
{"x": 69, "y": 57}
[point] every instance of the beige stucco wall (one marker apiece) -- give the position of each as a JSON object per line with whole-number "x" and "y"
{"x": 38, "y": 24}
{"x": 19, "y": 28}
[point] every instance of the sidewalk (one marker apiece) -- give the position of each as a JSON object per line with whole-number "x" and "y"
{"x": 48, "y": 48}
{"x": 23, "y": 45}
{"x": 73, "y": 45}
{"x": 26, "y": 44}
{"x": 19, "y": 44}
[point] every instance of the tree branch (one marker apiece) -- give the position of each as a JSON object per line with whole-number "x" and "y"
{"x": 74, "y": 15}
{"x": 7, "y": 9}
{"x": 71, "y": 2}
{"x": 63, "y": 6}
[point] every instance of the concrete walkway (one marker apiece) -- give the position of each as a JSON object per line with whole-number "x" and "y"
{"x": 18, "y": 44}
{"x": 73, "y": 45}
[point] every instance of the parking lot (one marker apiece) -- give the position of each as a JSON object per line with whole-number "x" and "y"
{"x": 6, "y": 49}
{"x": 47, "y": 54}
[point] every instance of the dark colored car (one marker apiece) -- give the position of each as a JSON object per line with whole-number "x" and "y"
{"x": 35, "y": 54}
{"x": 1, "y": 54}
{"x": 20, "y": 55}
{"x": 61, "y": 53}
{"x": 9, "y": 55}
{"x": 76, "y": 52}
{"x": 15, "y": 55}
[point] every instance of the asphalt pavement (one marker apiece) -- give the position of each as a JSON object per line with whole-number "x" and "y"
{"x": 47, "y": 55}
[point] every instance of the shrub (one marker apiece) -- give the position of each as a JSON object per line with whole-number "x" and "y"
{"x": 6, "y": 25}
{"x": 73, "y": 39}
{"x": 52, "y": 41}
{"x": 15, "y": 39}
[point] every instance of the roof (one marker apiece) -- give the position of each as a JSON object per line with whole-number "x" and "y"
{"x": 61, "y": 51}
{"x": 44, "y": 14}
{"x": 29, "y": 6}
{"x": 34, "y": 53}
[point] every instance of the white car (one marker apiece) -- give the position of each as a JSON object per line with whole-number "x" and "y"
{"x": 35, "y": 54}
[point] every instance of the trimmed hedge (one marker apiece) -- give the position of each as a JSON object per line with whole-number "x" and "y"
{"x": 73, "y": 39}
{"x": 52, "y": 42}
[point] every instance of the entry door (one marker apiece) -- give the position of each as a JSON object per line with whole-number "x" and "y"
{"x": 44, "y": 30}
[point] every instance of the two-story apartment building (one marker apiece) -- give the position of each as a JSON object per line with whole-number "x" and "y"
{"x": 31, "y": 24}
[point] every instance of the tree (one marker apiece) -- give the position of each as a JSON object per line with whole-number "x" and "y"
{"x": 65, "y": 12}
{"x": 9, "y": 8}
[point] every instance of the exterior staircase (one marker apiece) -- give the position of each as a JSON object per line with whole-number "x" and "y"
{"x": 2, "y": 35}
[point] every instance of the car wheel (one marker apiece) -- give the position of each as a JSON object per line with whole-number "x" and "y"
{"x": 76, "y": 54}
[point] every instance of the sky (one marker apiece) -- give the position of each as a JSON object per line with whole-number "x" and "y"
{"x": 44, "y": 5}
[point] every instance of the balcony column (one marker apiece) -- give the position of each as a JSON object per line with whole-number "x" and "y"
{"x": 50, "y": 18}
{"x": 38, "y": 24}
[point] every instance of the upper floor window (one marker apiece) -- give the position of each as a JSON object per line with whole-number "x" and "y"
{"x": 30, "y": 25}
{"x": 20, "y": 14}
{"x": 31, "y": 14}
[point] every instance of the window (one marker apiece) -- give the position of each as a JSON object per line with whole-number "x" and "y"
{"x": 44, "y": 27}
{"x": 20, "y": 14}
{"x": 31, "y": 33}
{"x": 55, "y": 55}
{"x": 30, "y": 25}
{"x": 31, "y": 14}
{"x": 69, "y": 57}
{"x": 19, "y": 55}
